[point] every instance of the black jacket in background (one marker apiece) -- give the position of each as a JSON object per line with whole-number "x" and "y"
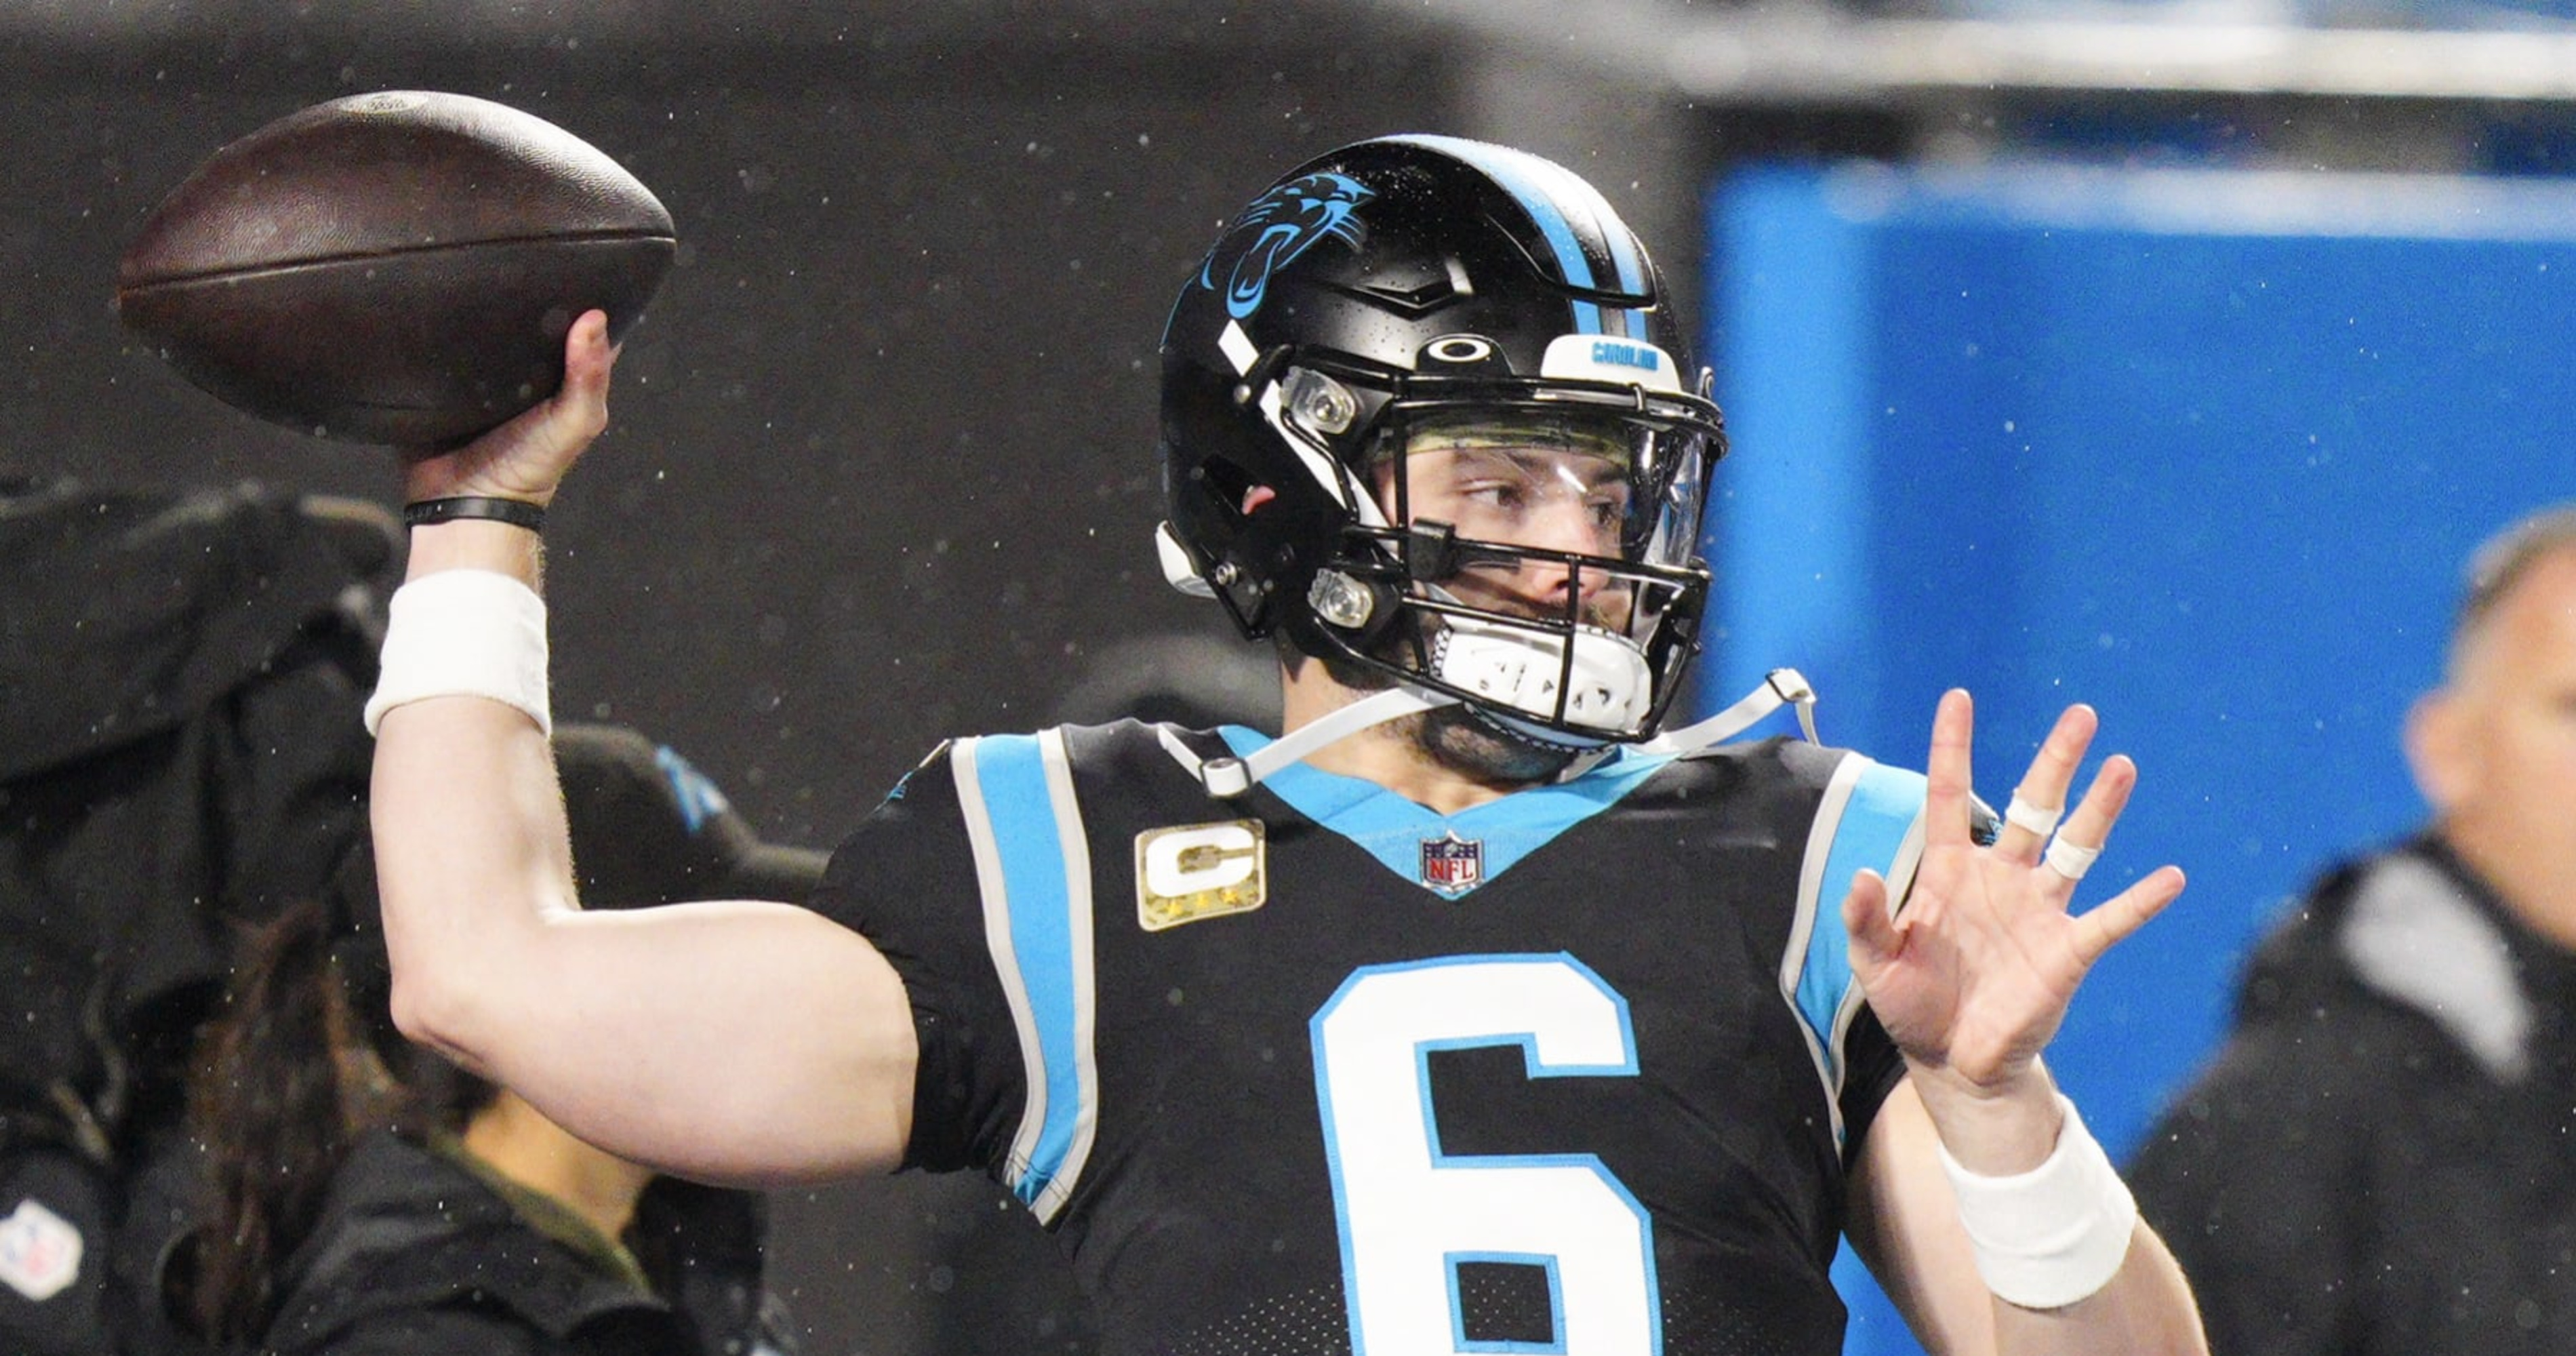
{"x": 415, "y": 1256}
{"x": 181, "y": 677}
{"x": 2382, "y": 1157}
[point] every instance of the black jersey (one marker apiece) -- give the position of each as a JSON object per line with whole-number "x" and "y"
{"x": 1320, "y": 1070}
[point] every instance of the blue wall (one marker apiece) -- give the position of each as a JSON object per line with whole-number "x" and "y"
{"x": 2203, "y": 449}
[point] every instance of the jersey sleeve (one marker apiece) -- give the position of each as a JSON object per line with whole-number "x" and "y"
{"x": 906, "y": 880}
{"x": 1872, "y": 1067}
{"x": 974, "y": 880}
{"x": 1868, "y": 816}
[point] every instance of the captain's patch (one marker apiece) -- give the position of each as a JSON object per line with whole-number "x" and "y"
{"x": 1200, "y": 871}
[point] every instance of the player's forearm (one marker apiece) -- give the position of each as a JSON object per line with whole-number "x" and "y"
{"x": 2146, "y": 1307}
{"x": 2006, "y": 1128}
{"x": 476, "y": 544}
{"x": 2010, "y": 1135}
{"x": 469, "y": 831}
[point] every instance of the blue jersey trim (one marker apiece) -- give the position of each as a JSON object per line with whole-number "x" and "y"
{"x": 1011, "y": 772}
{"x": 1393, "y": 829}
{"x": 1883, "y": 806}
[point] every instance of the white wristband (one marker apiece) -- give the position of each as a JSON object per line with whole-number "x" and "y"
{"x": 2055, "y": 1234}
{"x": 464, "y": 633}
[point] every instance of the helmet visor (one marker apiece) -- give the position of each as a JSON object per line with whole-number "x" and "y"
{"x": 1614, "y": 486}
{"x": 1555, "y": 521}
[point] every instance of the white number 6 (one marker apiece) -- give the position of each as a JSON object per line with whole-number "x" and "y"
{"x": 1411, "y": 1214}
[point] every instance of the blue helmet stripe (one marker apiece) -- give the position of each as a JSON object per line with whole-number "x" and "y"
{"x": 1505, "y": 167}
{"x": 1546, "y": 192}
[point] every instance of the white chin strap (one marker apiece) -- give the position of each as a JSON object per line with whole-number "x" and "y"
{"x": 1179, "y": 570}
{"x": 1225, "y": 777}
{"x": 1509, "y": 668}
{"x": 1781, "y": 687}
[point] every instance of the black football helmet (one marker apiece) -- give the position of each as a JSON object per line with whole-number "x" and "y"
{"x": 1425, "y": 292}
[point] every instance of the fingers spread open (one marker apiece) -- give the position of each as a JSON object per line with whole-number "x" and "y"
{"x": 2042, "y": 792}
{"x": 2086, "y": 831}
{"x": 1947, "y": 772}
{"x": 2102, "y": 927}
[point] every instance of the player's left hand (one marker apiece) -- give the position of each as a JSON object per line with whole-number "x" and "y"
{"x": 1973, "y": 977}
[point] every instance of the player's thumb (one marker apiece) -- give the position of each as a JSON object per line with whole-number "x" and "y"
{"x": 1867, "y": 921}
{"x": 588, "y": 359}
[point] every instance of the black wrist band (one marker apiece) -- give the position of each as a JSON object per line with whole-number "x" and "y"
{"x": 516, "y": 512}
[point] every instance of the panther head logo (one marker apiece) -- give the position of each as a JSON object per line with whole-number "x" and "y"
{"x": 1278, "y": 227}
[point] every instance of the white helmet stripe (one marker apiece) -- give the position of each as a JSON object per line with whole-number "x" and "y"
{"x": 1344, "y": 487}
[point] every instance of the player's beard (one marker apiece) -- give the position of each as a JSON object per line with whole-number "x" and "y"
{"x": 1460, "y": 739}
{"x": 1465, "y": 741}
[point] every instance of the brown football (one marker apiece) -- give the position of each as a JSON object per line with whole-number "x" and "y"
{"x": 392, "y": 268}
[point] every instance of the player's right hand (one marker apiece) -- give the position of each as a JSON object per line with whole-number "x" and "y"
{"x": 528, "y": 457}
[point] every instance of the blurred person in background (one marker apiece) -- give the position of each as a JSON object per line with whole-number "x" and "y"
{"x": 178, "y": 673}
{"x": 2381, "y": 1158}
{"x": 367, "y": 1196}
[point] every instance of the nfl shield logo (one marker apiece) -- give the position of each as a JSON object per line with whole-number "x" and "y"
{"x": 1453, "y": 865}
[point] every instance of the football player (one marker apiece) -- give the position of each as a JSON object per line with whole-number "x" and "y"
{"x": 1477, "y": 1012}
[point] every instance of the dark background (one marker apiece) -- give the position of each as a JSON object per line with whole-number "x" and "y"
{"x": 880, "y": 467}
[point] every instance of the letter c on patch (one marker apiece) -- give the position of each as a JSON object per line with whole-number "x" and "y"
{"x": 1193, "y": 860}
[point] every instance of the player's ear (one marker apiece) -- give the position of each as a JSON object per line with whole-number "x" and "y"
{"x": 2439, "y": 750}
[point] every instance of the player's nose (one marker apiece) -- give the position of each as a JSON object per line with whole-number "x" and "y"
{"x": 1572, "y": 526}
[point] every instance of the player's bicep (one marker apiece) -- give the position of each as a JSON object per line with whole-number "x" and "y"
{"x": 733, "y": 1042}
{"x": 1904, "y": 1223}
